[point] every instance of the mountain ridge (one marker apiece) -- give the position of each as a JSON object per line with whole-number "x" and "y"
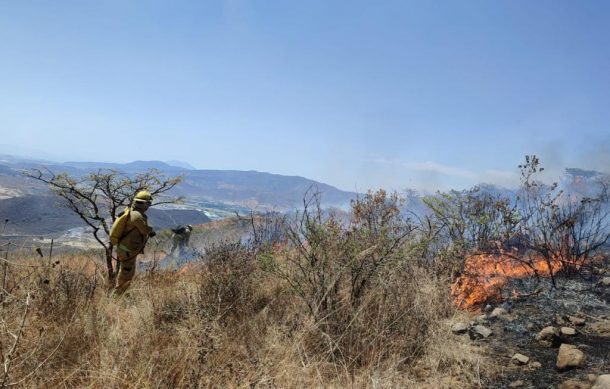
{"x": 209, "y": 194}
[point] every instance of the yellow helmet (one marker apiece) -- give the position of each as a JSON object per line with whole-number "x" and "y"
{"x": 143, "y": 196}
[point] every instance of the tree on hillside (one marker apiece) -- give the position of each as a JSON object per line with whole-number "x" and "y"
{"x": 99, "y": 197}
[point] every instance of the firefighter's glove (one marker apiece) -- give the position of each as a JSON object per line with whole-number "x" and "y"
{"x": 152, "y": 234}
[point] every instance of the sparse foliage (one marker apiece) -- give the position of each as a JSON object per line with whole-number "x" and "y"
{"x": 98, "y": 197}
{"x": 354, "y": 275}
{"x": 466, "y": 222}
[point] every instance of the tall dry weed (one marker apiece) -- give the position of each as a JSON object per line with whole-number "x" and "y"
{"x": 223, "y": 323}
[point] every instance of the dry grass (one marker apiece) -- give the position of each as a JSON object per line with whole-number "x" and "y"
{"x": 226, "y": 323}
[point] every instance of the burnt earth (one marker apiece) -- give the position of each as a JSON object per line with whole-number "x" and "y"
{"x": 515, "y": 332}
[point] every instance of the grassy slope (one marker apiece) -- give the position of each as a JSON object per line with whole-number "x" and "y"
{"x": 221, "y": 324}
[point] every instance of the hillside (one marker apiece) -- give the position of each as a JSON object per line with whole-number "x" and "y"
{"x": 45, "y": 215}
{"x": 217, "y": 192}
{"x": 243, "y": 314}
{"x": 253, "y": 189}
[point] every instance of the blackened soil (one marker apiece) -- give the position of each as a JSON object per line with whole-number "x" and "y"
{"x": 516, "y": 332}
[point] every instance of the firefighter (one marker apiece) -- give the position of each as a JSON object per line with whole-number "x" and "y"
{"x": 180, "y": 240}
{"x": 132, "y": 241}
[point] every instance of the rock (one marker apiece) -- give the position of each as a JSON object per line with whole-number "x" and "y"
{"x": 591, "y": 378}
{"x": 459, "y": 328}
{"x": 577, "y": 321}
{"x": 497, "y": 312}
{"x": 488, "y": 308}
{"x": 560, "y": 320}
{"x": 520, "y": 359}
{"x": 602, "y": 382}
{"x": 516, "y": 384}
{"x": 480, "y": 319}
{"x": 601, "y": 328}
{"x": 548, "y": 336}
{"x": 547, "y": 333}
{"x": 480, "y": 331}
{"x": 574, "y": 384}
{"x": 535, "y": 365}
{"x": 605, "y": 281}
{"x": 569, "y": 356}
{"x": 567, "y": 331}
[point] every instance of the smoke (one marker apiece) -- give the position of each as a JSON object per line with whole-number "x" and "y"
{"x": 597, "y": 156}
{"x": 552, "y": 155}
{"x": 431, "y": 176}
{"x": 587, "y": 153}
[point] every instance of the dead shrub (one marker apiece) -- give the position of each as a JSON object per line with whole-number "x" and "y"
{"x": 368, "y": 301}
{"x": 60, "y": 290}
{"x": 227, "y": 282}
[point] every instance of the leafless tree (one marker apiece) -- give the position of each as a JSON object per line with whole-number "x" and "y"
{"x": 566, "y": 230}
{"x": 98, "y": 197}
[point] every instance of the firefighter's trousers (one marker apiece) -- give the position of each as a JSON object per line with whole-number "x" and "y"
{"x": 126, "y": 269}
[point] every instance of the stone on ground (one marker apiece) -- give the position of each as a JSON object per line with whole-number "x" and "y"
{"x": 517, "y": 384}
{"x": 601, "y": 328}
{"x": 497, "y": 312}
{"x": 548, "y": 335}
{"x": 574, "y": 384}
{"x": 602, "y": 382}
{"x": 605, "y": 281}
{"x": 535, "y": 365}
{"x": 569, "y": 356}
{"x": 567, "y": 331}
{"x": 459, "y": 328}
{"x": 520, "y": 359}
{"x": 577, "y": 321}
{"x": 480, "y": 331}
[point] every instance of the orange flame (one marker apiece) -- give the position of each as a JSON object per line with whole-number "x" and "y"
{"x": 485, "y": 276}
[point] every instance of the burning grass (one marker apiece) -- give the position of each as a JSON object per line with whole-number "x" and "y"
{"x": 486, "y": 276}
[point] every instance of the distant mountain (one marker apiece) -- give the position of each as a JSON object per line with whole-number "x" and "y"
{"x": 247, "y": 189}
{"x": 207, "y": 193}
{"x": 45, "y": 215}
{"x": 15, "y": 160}
{"x": 36, "y": 215}
{"x": 255, "y": 189}
{"x": 168, "y": 218}
{"x": 132, "y": 167}
{"x": 181, "y": 164}
{"x": 21, "y": 152}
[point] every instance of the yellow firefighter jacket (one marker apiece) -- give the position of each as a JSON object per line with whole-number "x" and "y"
{"x": 136, "y": 232}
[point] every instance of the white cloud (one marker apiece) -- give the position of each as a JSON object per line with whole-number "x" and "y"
{"x": 431, "y": 175}
{"x": 438, "y": 168}
{"x": 499, "y": 177}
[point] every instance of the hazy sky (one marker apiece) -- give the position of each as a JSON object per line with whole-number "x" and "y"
{"x": 358, "y": 94}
